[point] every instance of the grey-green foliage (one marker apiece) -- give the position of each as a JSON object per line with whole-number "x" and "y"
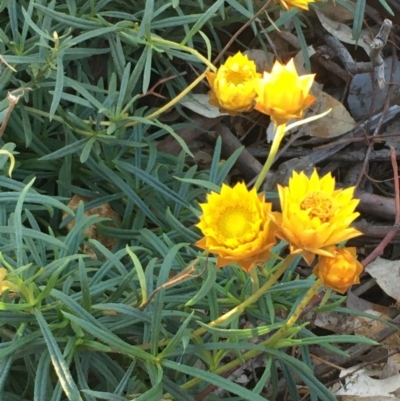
{"x": 72, "y": 327}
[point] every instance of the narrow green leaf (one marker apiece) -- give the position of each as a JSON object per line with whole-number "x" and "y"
{"x": 69, "y": 149}
{"x": 18, "y": 223}
{"x": 205, "y": 287}
{"x": 358, "y": 18}
{"x": 60, "y": 366}
{"x": 140, "y": 273}
{"x": 147, "y": 69}
{"x": 42, "y": 377}
{"x": 145, "y": 26}
{"x": 153, "y": 182}
{"x": 207, "y": 16}
{"x": 58, "y": 89}
{"x": 212, "y": 378}
{"x": 111, "y": 339}
{"x": 70, "y": 20}
{"x": 174, "y": 342}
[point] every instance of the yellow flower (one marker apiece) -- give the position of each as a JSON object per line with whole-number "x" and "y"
{"x": 232, "y": 86}
{"x": 282, "y": 94}
{"x": 288, "y": 4}
{"x": 4, "y": 284}
{"x": 237, "y": 226}
{"x": 315, "y": 215}
{"x": 340, "y": 271}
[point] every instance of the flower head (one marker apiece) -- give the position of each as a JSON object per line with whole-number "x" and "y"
{"x": 302, "y": 4}
{"x": 232, "y": 86}
{"x": 237, "y": 226}
{"x": 340, "y": 271}
{"x": 282, "y": 94}
{"x": 315, "y": 215}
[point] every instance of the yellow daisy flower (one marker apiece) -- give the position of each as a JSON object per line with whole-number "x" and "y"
{"x": 237, "y": 226}
{"x": 302, "y": 4}
{"x": 282, "y": 94}
{"x": 315, "y": 215}
{"x": 340, "y": 271}
{"x": 232, "y": 86}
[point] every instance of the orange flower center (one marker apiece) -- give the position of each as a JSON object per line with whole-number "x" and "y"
{"x": 237, "y": 76}
{"x": 234, "y": 226}
{"x": 318, "y": 204}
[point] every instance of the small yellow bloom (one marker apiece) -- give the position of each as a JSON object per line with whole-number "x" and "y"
{"x": 237, "y": 226}
{"x": 315, "y": 215}
{"x": 232, "y": 86}
{"x": 282, "y": 94}
{"x": 340, "y": 271}
{"x": 3, "y": 283}
{"x": 302, "y": 4}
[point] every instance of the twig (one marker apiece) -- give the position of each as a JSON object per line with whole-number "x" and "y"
{"x": 382, "y": 118}
{"x": 376, "y": 63}
{"x": 12, "y": 101}
{"x": 378, "y": 251}
{"x": 240, "y": 30}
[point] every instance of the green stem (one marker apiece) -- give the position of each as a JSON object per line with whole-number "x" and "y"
{"x": 297, "y": 313}
{"x": 270, "y": 341}
{"x": 239, "y": 309}
{"x": 184, "y": 48}
{"x": 254, "y": 279}
{"x": 279, "y": 134}
{"x": 172, "y": 102}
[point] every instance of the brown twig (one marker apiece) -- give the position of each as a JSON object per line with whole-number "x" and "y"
{"x": 12, "y": 101}
{"x": 378, "y": 251}
{"x": 382, "y": 118}
{"x": 240, "y": 30}
{"x": 161, "y": 81}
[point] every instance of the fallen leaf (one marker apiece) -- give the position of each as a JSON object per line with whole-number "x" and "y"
{"x": 336, "y": 123}
{"x": 336, "y": 11}
{"x": 199, "y": 103}
{"x": 343, "y": 32}
{"x": 91, "y": 232}
{"x": 361, "y": 384}
{"x": 387, "y": 275}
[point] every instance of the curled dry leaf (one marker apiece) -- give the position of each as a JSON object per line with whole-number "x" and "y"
{"x": 361, "y": 384}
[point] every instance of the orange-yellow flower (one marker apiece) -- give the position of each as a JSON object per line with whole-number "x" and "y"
{"x": 315, "y": 215}
{"x": 232, "y": 86}
{"x": 282, "y": 94}
{"x": 3, "y": 273}
{"x": 340, "y": 271}
{"x": 302, "y": 4}
{"x": 237, "y": 226}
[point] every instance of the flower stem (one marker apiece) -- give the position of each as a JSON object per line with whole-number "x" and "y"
{"x": 253, "y": 273}
{"x": 237, "y": 310}
{"x": 267, "y": 343}
{"x": 279, "y": 134}
{"x": 297, "y": 313}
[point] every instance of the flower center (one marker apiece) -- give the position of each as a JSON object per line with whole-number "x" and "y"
{"x": 318, "y": 204}
{"x": 234, "y": 226}
{"x": 237, "y": 76}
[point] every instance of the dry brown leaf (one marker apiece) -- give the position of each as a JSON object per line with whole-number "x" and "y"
{"x": 91, "y": 232}
{"x": 336, "y": 11}
{"x": 387, "y": 275}
{"x": 343, "y": 32}
{"x": 336, "y": 123}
